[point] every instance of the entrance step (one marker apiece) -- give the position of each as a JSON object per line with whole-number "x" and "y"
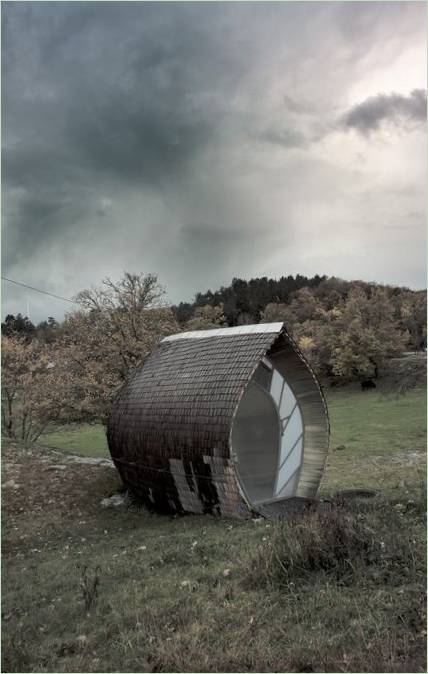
{"x": 287, "y": 506}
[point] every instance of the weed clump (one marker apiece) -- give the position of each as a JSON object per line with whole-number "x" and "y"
{"x": 347, "y": 542}
{"x": 88, "y": 583}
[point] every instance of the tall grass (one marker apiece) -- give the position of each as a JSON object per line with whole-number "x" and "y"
{"x": 350, "y": 543}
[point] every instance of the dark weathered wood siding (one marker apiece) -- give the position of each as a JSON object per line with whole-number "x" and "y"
{"x": 169, "y": 430}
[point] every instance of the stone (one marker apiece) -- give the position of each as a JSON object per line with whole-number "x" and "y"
{"x": 115, "y": 500}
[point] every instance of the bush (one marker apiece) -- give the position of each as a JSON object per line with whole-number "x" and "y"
{"x": 347, "y": 542}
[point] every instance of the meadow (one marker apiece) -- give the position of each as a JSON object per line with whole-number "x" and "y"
{"x": 118, "y": 589}
{"x": 371, "y": 436}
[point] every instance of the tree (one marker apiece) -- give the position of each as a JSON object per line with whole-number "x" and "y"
{"x": 206, "y": 317}
{"x": 244, "y": 301}
{"x": 113, "y": 333}
{"x": 39, "y": 387}
{"x": 365, "y": 335}
{"x": 275, "y": 311}
{"x": 18, "y": 324}
{"x": 315, "y": 338}
{"x": 183, "y": 312}
{"x": 348, "y": 338}
{"x": 48, "y": 331}
{"x": 412, "y": 315}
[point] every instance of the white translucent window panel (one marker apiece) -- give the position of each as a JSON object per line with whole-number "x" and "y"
{"x": 276, "y": 386}
{"x": 293, "y": 429}
{"x": 289, "y": 489}
{"x": 288, "y": 401}
{"x": 290, "y": 466}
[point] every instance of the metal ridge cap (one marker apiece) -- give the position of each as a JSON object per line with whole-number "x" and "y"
{"x": 258, "y": 328}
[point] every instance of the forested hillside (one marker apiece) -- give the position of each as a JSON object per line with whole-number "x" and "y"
{"x": 70, "y": 370}
{"x": 244, "y": 301}
{"x": 346, "y": 329}
{"x": 252, "y": 301}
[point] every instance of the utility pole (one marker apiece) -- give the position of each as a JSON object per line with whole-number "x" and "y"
{"x": 28, "y": 308}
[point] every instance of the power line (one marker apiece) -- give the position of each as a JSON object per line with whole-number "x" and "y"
{"x": 37, "y": 290}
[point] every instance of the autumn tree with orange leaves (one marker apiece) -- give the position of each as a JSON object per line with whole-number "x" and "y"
{"x": 76, "y": 377}
{"x": 112, "y": 333}
{"x": 39, "y": 387}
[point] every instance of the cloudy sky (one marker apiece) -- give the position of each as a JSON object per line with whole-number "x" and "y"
{"x": 203, "y": 141}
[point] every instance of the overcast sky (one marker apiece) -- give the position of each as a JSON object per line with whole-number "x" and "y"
{"x": 203, "y": 141}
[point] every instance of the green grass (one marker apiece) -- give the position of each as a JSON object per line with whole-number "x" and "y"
{"x": 95, "y": 589}
{"x": 372, "y": 429}
{"x": 383, "y": 440}
{"x": 366, "y": 423}
{"x": 82, "y": 439}
{"x": 371, "y": 424}
{"x": 183, "y": 594}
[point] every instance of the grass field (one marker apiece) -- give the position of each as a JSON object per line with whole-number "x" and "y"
{"x": 370, "y": 428}
{"x": 83, "y": 439}
{"x": 383, "y": 440}
{"x": 94, "y": 589}
{"x": 369, "y": 423}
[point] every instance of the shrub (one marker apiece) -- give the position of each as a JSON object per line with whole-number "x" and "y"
{"x": 347, "y": 542}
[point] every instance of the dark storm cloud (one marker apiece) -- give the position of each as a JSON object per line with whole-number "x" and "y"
{"x": 101, "y": 93}
{"x": 369, "y": 115}
{"x": 121, "y": 85}
{"x": 41, "y": 216}
{"x": 124, "y": 120}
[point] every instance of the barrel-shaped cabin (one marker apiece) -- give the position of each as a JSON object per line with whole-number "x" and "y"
{"x": 222, "y": 421}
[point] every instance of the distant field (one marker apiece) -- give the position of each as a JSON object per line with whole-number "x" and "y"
{"x": 83, "y": 439}
{"x": 369, "y": 423}
{"x": 383, "y": 439}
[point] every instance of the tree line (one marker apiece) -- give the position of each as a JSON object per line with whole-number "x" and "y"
{"x": 57, "y": 372}
{"x": 243, "y": 302}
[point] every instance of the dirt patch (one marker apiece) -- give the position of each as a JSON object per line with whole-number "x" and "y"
{"x": 37, "y": 481}
{"x": 403, "y": 458}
